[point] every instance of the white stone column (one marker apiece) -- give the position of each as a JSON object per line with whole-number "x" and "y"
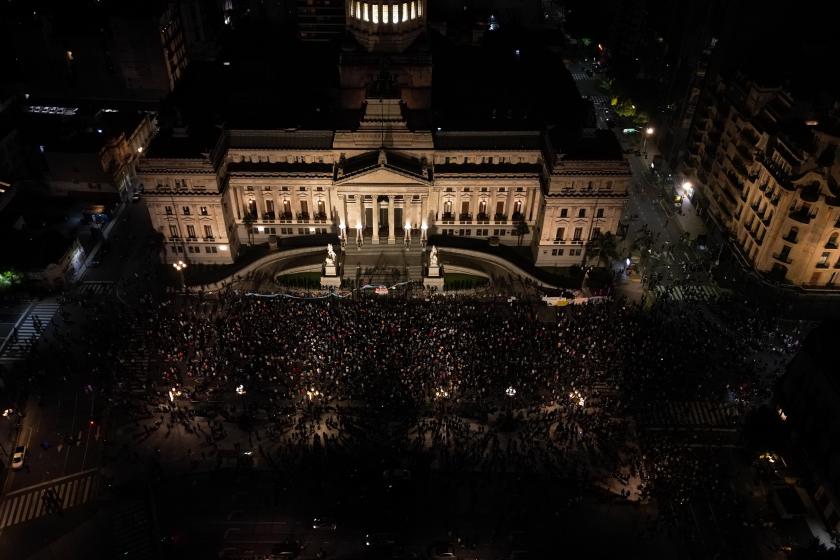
{"x": 260, "y": 202}
{"x": 424, "y": 210}
{"x": 361, "y": 210}
{"x": 391, "y": 226}
{"x": 235, "y": 201}
{"x": 375, "y": 219}
{"x": 342, "y": 209}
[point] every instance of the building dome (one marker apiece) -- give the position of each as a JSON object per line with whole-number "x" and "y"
{"x": 386, "y": 25}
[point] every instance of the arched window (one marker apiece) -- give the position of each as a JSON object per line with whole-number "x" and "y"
{"x": 287, "y": 207}
{"x": 375, "y": 13}
{"x": 395, "y": 13}
{"x": 517, "y": 207}
{"x": 832, "y": 241}
{"x": 252, "y": 207}
{"x": 447, "y": 207}
{"x": 413, "y": 11}
{"x": 419, "y": 7}
{"x": 365, "y": 12}
{"x": 322, "y": 209}
{"x": 358, "y": 10}
{"x": 385, "y": 13}
{"x": 482, "y": 207}
{"x": 405, "y": 11}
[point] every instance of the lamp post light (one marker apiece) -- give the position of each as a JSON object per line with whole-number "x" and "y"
{"x": 359, "y": 234}
{"x": 407, "y": 230}
{"x": 423, "y": 235}
{"x": 342, "y": 235}
{"x": 648, "y": 132}
{"x": 180, "y": 266}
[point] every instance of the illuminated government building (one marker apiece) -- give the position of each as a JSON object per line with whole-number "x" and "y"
{"x": 389, "y": 172}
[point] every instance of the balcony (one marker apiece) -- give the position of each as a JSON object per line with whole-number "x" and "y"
{"x": 465, "y": 218}
{"x": 500, "y": 218}
{"x": 830, "y": 245}
{"x": 745, "y": 153}
{"x": 174, "y": 237}
{"x": 782, "y": 258}
{"x": 790, "y": 238}
{"x": 822, "y": 265}
{"x": 320, "y": 218}
{"x": 286, "y": 217}
{"x": 302, "y": 216}
{"x": 268, "y": 216}
{"x": 447, "y": 216}
{"x": 209, "y": 238}
{"x": 483, "y": 217}
{"x": 517, "y": 216}
{"x": 803, "y": 216}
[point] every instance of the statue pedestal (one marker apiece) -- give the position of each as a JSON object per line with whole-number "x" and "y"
{"x": 434, "y": 278}
{"x": 330, "y": 277}
{"x": 330, "y": 281}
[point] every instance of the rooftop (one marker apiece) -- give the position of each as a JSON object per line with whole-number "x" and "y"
{"x": 197, "y": 144}
{"x": 591, "y": 145}
{"x": 78, "y": 132}
{"x": 501, "y": 140}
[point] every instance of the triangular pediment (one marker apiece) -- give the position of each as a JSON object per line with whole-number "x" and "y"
{"x": 382, "y": 175}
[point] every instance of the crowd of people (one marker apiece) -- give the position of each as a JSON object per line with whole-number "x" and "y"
{"x": 484, "y": 384}
{"x": 481, "y": 384}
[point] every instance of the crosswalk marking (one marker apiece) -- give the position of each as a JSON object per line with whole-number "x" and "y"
{"x": 578, "y": 76}
{"x": 29, "y": 503}
{"x": 700, "y": 292}
{"x": 689, "y": 414}
{"x": 92, "y": 287}
{"x": 27, "y": 333}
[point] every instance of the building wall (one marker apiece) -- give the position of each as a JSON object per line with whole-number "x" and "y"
{"x": 763, "y": 178}
{"x": 186, "y": 206}
{"x": 584, "y": 199}
{"x": 291, "y": 191}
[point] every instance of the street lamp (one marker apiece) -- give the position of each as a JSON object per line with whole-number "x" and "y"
{"x": 407, "y": 230}
{"x": 423, "y": 229}
{"x": 180, "y": 266}
{"x": 648, "y": 132}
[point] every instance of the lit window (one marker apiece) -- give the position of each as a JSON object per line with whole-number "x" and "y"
{"x": 376, "y": 13}
{"x": 358, "y": 10}
{"x": 385, "y": 14}
{"x": 413, "y": 11}
{"x": 365, "y": 12}
{"x": 405, "y": 11}
{"x": 395, "y": 13}
{"x": 419, "y": 7}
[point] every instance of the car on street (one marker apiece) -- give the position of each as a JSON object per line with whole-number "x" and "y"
{"x": 135, "y": 197}
{"x": 323, "y": 524}
{"x": 442, "y": 552}
{"x": 18, "y": 456}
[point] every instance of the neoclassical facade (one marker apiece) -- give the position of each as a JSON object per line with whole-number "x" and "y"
{"x": 374, "y": 185}
{"x": 384, "y": 177}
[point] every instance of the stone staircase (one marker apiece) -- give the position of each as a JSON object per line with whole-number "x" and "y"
{"x": 382, "y": 264}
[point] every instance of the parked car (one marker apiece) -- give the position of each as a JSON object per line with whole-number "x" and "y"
{"x": 17, "y": 458}
{"x": 323, "y": 524}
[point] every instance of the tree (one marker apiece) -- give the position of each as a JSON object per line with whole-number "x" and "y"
{"x": 521, "y": 229}
{"x": 248, "y": 220}
{"x": 604, "y": 248}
